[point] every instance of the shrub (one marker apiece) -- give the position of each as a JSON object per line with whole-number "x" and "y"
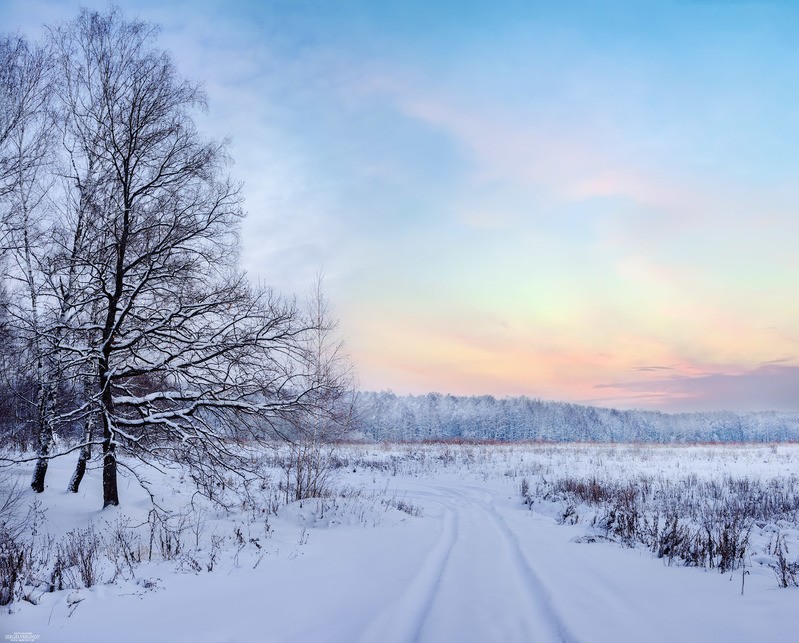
{"x": 787, "y": 573}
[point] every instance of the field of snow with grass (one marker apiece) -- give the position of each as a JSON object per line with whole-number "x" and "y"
{"x": 432, "y": 543}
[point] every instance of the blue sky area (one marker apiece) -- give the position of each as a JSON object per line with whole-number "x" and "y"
{"x": 590, "y": 201}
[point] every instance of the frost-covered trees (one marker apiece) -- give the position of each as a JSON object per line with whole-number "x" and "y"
{"x": 163, "y": 218}
{"x": 145, "y": 336}
{"x": 25, "y": 153}
{"x": 386, "y": 416}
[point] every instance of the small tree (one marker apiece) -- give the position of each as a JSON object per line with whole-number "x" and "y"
{"x": 24, "y": 155}
{"x": 327, "y": 411}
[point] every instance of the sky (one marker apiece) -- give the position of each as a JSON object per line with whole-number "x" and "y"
{"x": 582, "y": 201}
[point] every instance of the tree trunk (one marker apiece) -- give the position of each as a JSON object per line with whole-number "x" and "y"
{"x": 110, "y": 492}
{"x": 80, "y": 470}
{"x": 44, "y": 439}
{"x": 37, "y": 484}
{"x": 84, "y": 457}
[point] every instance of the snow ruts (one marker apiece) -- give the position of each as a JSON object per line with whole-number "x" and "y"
{"x": 401, "y": 621}
{"x": 475, "y": 585}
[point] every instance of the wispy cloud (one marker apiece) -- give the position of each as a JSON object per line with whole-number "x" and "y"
{"x": 527, "y": 200}
{"x": 767, "y": 387}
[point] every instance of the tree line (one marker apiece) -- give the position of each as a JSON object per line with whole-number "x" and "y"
{"x": 126, "y": 322}
{"x": 386, "y": 416}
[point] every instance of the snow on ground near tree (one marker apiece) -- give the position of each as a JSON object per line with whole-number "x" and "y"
{"x": 425, "y": 543}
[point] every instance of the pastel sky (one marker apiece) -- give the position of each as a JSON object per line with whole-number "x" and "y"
{"x": 594, "y": 202}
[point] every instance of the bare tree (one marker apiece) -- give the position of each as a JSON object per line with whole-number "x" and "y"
{"x": 24, "y": 155}
{"x": 12, "y": 429}
{"x": 121, "y": 226}
{"x": 187, "y": 358}
{"x": 330, "y": 371}
{"x": 327, "y": 413}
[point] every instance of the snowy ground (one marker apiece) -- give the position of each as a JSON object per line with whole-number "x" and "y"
{"x": 421, "y": 543}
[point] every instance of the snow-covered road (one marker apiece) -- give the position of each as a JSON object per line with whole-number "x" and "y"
{"x": 477, "y": 567}
{"x": 499, "y": 573}
{"x": 475, "y": 584}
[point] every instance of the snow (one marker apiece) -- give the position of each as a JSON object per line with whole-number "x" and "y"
{"x": 461, "y": 559}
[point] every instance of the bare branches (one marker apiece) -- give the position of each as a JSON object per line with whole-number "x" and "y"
{"x": 124, "y": 239}
{"x": 23, "y": 76}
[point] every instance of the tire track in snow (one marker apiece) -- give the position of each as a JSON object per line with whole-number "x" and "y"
{"x": 540, "y": 620}
{"x": 401, "y": 621}
{"x": 530, "y": 580}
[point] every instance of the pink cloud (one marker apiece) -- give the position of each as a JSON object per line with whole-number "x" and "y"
{"x": 768, "y": 387}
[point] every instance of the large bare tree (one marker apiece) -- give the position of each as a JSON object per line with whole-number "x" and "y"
{"x": 122, "y": 226}
{"x": 184, "y": 351}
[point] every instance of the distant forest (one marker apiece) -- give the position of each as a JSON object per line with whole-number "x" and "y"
{"x": 385, "y": 416}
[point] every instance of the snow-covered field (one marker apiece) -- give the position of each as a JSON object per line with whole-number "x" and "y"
{"x": 426, "y": 543}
